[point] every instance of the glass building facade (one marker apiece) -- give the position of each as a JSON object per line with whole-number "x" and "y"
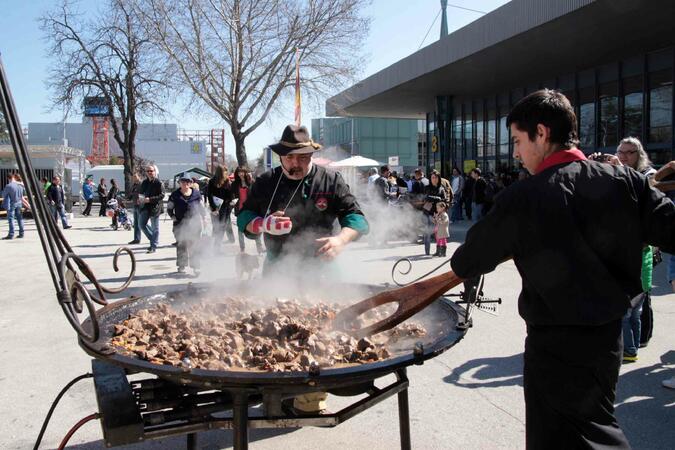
{"x": 629, "y": 97}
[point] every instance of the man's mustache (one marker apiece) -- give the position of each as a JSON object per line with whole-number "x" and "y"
{"x": 295, "y": 170}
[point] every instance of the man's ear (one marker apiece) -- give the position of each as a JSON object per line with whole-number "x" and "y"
{"x": 543, "y": 132}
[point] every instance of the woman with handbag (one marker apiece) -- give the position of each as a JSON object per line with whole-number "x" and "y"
{"x": 434, "y": 193}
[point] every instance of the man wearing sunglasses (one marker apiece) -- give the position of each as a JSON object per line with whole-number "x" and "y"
{"x": 151, "y": 199}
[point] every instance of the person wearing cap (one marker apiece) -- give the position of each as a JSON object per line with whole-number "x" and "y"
{"x": 295, "y": 205}
{"x": 575, "y": 230}
{"x": 188, "y": 213}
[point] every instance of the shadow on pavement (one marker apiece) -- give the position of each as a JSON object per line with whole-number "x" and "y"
{"x": 488, "y": 372}
{"x": 645, "y": 409}
{"x": 215, "y": 439}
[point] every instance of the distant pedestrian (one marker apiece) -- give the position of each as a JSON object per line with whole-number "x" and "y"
{"x": 102, "y": 192}
{"x": 151, "y": 199}
{"x": 133, "y": 198}
{"x": 45, "y": 185}
{"x": 187, "y": 211}
{"x": 479, "y": 187}
{"x": 57, "y": 198}
{"x": 441, "y": 220}
{"x": 88, "y": 195}
{"x": 12, "y": 198}
{"x": 220, "y": 197}
{"x": 457, "y": 183}
{"x": 241, "y": 186}
{"x": 112, "y": 195}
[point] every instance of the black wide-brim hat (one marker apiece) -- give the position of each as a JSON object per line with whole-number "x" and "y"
{"x": 295, "y": 140}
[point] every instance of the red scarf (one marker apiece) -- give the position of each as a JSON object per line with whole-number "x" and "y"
{"x": 561, "y": 157}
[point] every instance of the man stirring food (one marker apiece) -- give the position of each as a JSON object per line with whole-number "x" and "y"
{"x": 575, "y": 230}
{"x": 295, "y": 206}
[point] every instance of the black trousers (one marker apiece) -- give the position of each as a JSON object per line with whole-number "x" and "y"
{"x": 87, "y": 210}
{"x": 101, "y": 212}
{"x": 570, "y": 381}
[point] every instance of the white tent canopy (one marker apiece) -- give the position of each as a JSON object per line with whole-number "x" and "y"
{"x": 355, "y": 161}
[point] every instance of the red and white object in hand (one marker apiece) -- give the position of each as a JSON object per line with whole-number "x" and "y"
{"x": 274, "y": 225}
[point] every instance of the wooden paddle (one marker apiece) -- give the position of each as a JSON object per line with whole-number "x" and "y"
{"x": 411, "y": 299}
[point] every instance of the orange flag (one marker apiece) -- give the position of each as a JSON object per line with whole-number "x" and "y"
{"x": 298, "y": 102}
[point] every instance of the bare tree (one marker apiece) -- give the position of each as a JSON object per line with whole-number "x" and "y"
{"x": 237, "y": 57}
{"x": 106, "y": 55}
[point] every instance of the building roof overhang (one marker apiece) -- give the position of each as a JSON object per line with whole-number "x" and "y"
{"x": 522, "y": 42}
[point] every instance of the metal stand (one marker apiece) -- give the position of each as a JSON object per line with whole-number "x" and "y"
{"x": 240, "y": 421}
{"x": 404, "y": 413}
{"x": 192, "y": 441}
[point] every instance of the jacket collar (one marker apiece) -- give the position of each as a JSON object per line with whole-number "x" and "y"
{"x": 561, "y": 157}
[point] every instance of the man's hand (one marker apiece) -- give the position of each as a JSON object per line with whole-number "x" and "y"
{"x": 275, "y": 224}
{"x": 330, "y": 247}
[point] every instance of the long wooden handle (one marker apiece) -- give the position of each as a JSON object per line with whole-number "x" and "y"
{"x": 411, "y": 300}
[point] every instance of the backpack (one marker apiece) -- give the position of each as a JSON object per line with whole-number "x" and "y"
{"x": 491, "y": 190}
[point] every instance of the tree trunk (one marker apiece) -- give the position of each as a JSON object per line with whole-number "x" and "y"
{"x": 240, "y": 149}
{"x": 129, "y": 152}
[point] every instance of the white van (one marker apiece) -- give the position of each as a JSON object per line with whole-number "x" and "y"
{"x": 107, "y": 172}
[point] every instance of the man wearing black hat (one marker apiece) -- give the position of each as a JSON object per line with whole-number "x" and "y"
{"x": 296, "y": 204}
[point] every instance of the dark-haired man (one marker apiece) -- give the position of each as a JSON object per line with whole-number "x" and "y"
{"x": 575, "y": 231}
{"x": 296, "y": 204}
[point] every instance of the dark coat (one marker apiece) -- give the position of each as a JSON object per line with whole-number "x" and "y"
{"x": 575, "y": 232}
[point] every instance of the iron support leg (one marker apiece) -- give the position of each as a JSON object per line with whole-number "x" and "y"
{"x": 404, "y": 415}
{"x": 192, "y": 441}
{"x": 240, "y": 422}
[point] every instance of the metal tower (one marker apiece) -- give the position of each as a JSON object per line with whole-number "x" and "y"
{"x": 217, "y": 143}
{"x": 100, "y": 149}
{"x": 444, "y": 18}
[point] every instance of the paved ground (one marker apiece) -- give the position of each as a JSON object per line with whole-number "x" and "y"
{"x": 469, "y": 397}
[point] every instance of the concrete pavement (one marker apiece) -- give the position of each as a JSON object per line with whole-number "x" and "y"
{"x": 469, "y": 397}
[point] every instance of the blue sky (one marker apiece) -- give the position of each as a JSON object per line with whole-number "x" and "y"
{"x": 397, "y": 30}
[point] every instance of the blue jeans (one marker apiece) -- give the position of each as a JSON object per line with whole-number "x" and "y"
{"x": 427, "y": 232}
{"x": 477, "y": 211}
{"x": 456, "y": 212}
{"x": 60, "y": 210}
{"x": 137, "y": 224}
{"x": 671, "y": 267}
{"x": 631, "y": 328}
{"x": 150, "y": 231}
{"x": 12, "y": 212}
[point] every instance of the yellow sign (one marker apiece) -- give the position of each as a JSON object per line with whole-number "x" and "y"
{"x": 469, "y": 165}
{"x": 434, "y": 144}
{"x": 196, "y": 148}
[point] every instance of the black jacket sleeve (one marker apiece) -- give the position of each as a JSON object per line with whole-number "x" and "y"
{"x": 489, "y": 242}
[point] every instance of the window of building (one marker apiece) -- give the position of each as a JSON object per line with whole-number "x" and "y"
{"x": 503, "y": 138}
{"x": 632, "y": 107}
{"x": 468, "y": 133}
{"x": 609, "y": 115}
{"x": 587, "y": 119}
{"x": 480, "y": 128}
{"x": 660, "y": 106}
{"x": 491, "y": 132}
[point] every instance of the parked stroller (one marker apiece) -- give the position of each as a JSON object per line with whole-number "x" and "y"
{"x": 119, "y": 215}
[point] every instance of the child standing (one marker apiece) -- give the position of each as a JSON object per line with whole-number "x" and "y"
{"x": 186, "y": 209}
{"x": 441, "y": 220}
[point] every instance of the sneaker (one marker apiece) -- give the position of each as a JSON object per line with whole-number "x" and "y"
{"x": 67, "y": 227}
{"x": 134, "y": 242}
{"x": 175, "y": 244}
{"x": 629, "y": 358}
{"x": 20, "y": 236}
{"x": 8, "y": 238}
{"x": 181, "y": 269}
{"x": 669, "y": 383}
{"x": 151, "y": 250}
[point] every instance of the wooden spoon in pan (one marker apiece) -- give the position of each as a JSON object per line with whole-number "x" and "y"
{"x": 411, "y": 299}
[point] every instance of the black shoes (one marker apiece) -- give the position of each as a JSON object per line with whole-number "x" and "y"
{"x": 152, "y": 250}
{"x": 67, "y": 227}
{"x": 20, "y": 236}
{"x": 134, "y": 242}
{"x": 8, "y": 238}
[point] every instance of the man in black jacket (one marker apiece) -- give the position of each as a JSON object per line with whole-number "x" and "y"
{"x": 575, "y": 231}
{"x": 56, "y": 198}
{"x": 151, "y": 199}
